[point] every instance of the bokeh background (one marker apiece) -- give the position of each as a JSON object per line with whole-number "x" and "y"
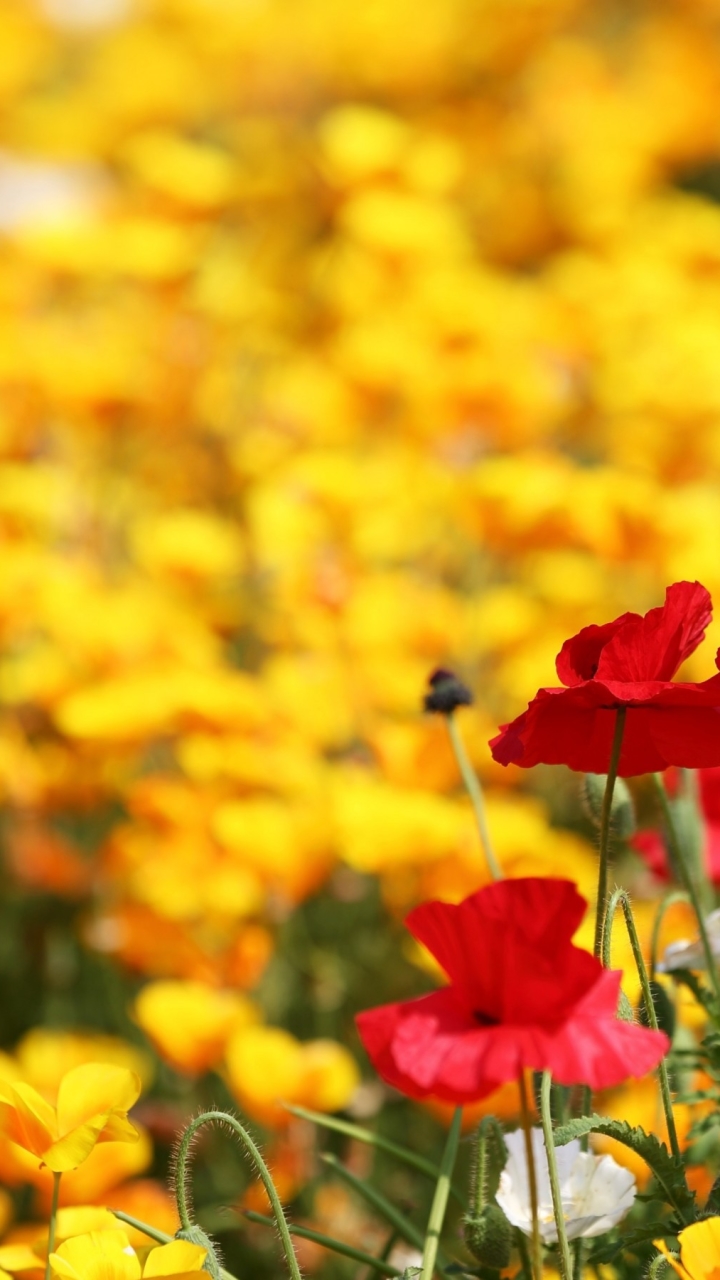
{"x": 337, "y": 342}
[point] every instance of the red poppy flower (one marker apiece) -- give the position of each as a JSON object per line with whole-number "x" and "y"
{"x": 626, "y": 663}
{"x": 651, "y": 845}
{"x": 520, "y": 995}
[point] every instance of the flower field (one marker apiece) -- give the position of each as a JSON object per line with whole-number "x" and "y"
{"x": 357, "y": 365}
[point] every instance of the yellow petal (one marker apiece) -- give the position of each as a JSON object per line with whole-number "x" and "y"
{"x": 660, "y": 1244}
{"x": 69, "y": 1152}
{"x": 92, "y": 1088}
{"x": 31, "y": 1121}
{"x": 175, "y": 1259}
{"x": 19, "y": 1257}
{"x": 700, "y": 1249}
{"x": 99, "y": 1255}
{"x": 118, "y": 1128}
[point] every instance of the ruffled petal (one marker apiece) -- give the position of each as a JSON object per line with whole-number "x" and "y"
{"x": 580, "y": 655}
{"x": 407, "y": 1041}
{"x": 654, "y": 647}
{"x": 665, "y": 724}
{"x": 527, "y": 926}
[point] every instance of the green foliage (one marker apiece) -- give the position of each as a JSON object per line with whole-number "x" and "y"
{"x": 669, "y": 1172}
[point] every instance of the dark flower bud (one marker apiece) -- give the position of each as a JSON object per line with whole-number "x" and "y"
{"x": 488, "y": 1236}
{"x": 622, "y": 813}
{"x": 446, "y": 693}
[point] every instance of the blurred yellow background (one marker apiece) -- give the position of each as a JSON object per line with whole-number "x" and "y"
{"x": 336, "y": 343}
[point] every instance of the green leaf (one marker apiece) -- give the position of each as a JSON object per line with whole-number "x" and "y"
{"x": 374, "y": 1140}
{"x": 378, "y": 1202}
{"x": 703, "y": 994}
{"x": 669, "y": 1171}
{"x": 328, "y": 1242}
{"x": 607, "y": 1251}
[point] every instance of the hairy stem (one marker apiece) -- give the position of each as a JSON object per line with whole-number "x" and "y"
{"x": 620, "y": 897}
{"x": 537, "y": 1253}
{"x": 605, "y": 816}
{"x": 566, "y": 1269}
{"x": 181, "y": 1179}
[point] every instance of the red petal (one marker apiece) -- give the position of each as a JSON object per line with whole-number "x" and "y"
{"x": 709, "y": 782}
{"x": 407, "y": 1042}
{"x": 665, "y": 724}
{"x": 508, "y": 948}
{"x": 651, "y": 847}
{"x": 596, "y": 1048}
{"x": 653, "y": 647}
{"x": 579, "y": 657}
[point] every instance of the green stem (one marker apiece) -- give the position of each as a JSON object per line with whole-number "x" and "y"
{"x": 605, "y": 817}
{"x": 153, "y": 1233}
{"x": 374, "y": 1140}
{"x": 566, "y": 1269}
{"x": 181, "y": 1179}
{"x": 377, "y": 1201}
{"x": 474, "y": 790}
{"x": 578, "y": 1250}
{"x": 620, "y": 897}
{"x": 440, "y": 1199}
{"x": 337, "y": 1246}
{"x": 688, "y": 883}
{"x": 160, "y": 1237}
{"x": 53, "y": 1221}
{"x": 537, "y": 1253}
{"x": 678, "y": 895}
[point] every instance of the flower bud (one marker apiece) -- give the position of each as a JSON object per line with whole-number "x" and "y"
{"x": 196, "y": 1235}
{"x": 664, "y": 1009}
{"x": 622, "y": 812}
{"x": 446, "y": 693}
{"x": 488, "y": 1236}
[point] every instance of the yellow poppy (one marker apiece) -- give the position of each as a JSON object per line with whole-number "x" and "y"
{"x": 92, "y": 1106}
{"x": 699, "y": 1251}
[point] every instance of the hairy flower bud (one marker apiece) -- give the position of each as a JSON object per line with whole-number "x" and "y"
{"x": 196, "y": 1235}
{"x": 622, "y": 813}
{"x": 488, "y": 1236}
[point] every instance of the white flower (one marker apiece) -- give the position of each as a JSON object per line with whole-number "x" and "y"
{"x": 596, "y": 1191}
{"x": 690, "y": 955}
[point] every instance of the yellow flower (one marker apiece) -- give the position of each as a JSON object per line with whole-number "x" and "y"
{"x": 699, "y": 1251}
{"x": 266, "y": 1066}
{"x": 108, "y": 1255}
{"x": 92, "y": 1106}
{"x": 191, "y": 1022}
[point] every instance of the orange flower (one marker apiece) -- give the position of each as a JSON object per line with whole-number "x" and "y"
{"x": 92, "y": 1106}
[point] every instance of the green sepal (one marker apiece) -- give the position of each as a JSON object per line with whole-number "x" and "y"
{"x": 488, "y": 1236}
{"x": 195, "y": 1235}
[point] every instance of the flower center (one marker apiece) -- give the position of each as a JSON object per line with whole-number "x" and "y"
{"x": 485, "y": 1019}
